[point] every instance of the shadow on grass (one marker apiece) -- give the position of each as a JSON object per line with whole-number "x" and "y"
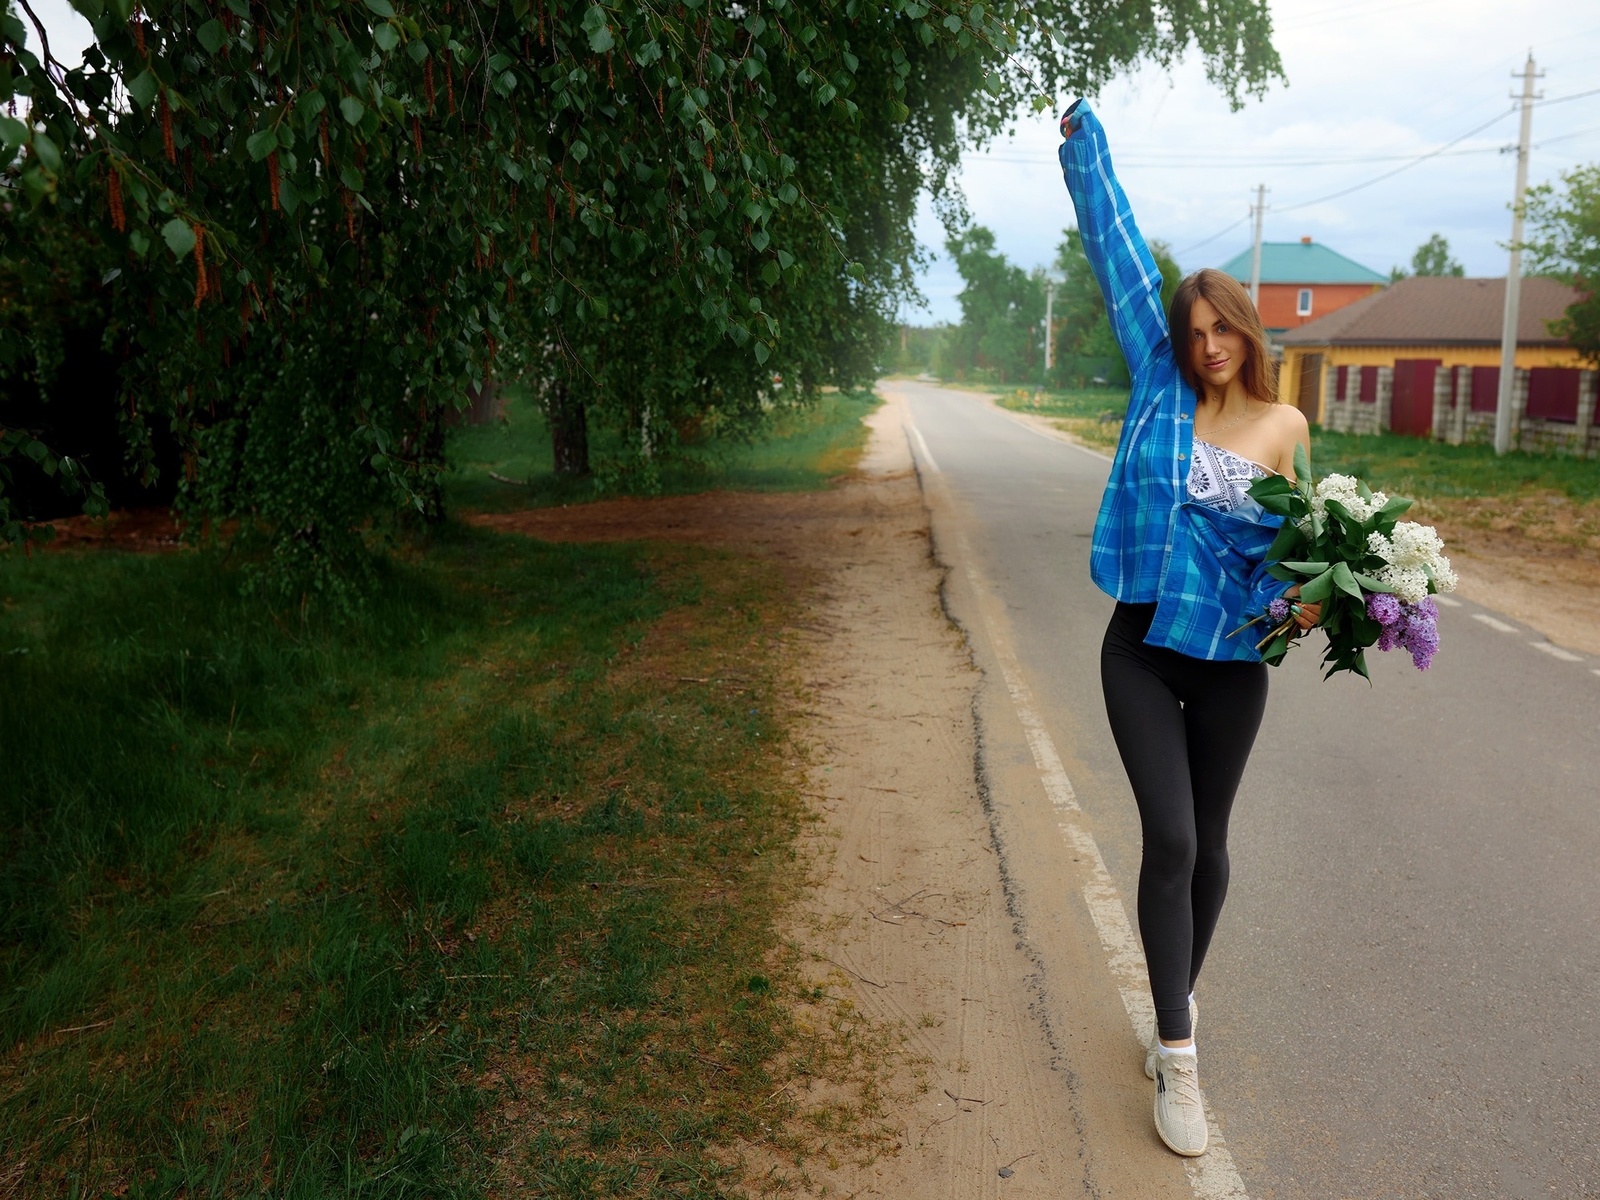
{"x": 801, "y": 450}
{"x": 301, "y": 910}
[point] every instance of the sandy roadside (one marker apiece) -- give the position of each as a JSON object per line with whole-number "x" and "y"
{"x": 905, "y": 918}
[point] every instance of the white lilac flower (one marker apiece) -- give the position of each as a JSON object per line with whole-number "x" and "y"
{"x": 1346, "y": 490}
{"x": 1409, "y": 583}
{"x": 1415, "y": 544}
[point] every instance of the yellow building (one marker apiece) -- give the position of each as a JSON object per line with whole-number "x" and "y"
{"x": 1423, "y": 357}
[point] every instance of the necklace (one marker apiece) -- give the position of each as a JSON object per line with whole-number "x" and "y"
{"x": 1216, "y": 429}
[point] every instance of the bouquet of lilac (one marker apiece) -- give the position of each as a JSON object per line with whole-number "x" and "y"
{"x": 1374, "y": 574}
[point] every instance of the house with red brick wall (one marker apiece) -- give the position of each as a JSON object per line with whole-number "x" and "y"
{"x": 1302, "y": 281}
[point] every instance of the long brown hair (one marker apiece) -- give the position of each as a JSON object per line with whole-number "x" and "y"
{"x": 1227, "y": 295}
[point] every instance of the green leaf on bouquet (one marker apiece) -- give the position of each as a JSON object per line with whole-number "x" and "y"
{"x": 1308, "y": 568}
{"x": 1302, "y": 471}
{"x": 1273, "y": 654}
{"x": 1280, "y": 503}
{"x": 1344, "y": 579}
{"x": 1344, "y": 515}
{"x": 1396, "y": 506}
{"x": 1288, "y": 541}
{"x": 1279, "y": 571}
{"x": 1270, "y": 485}
{"x": 1369, "y": 584}
{"x": 1319, "y": 588}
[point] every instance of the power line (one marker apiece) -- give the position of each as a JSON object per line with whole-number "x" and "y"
{"x": 1500, "y": 116}
{"x": 1191, "y": 249}
{"x": 1564, "y": 99}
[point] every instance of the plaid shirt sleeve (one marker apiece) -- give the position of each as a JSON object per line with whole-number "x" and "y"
{"x": 1123, "y": 266}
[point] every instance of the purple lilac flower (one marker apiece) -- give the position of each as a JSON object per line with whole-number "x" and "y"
{"x": 1413, "y": 627}
{"x": 1422, "y": 639}
{"x": 1278, "y": 610}
{"x": 1384, "y": 609}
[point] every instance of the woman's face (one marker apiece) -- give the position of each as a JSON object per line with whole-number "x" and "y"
{"x": 1216, "y": 352}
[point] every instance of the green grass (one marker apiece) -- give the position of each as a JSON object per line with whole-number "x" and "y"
{"x": 802, "y": 449}
{"x": 463, "y": 896}
{"x": 1092, "y": 415}
{"x": 1425, "y": 469}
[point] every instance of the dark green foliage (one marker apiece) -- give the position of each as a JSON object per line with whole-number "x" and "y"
{"x": 367, "y": 208}
{"x": 1564, "y": 238}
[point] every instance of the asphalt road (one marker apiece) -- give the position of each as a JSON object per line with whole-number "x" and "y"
{"x": 1402, "y": 997}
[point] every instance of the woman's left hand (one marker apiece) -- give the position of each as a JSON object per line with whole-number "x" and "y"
{"x": 1306, "y": 616}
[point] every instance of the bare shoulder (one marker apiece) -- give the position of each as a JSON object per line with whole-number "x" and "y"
{"x": 1290, "y": 422}
{"x": 1290, "y": 428}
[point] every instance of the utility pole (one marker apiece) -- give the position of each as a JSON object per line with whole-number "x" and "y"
{"x": 1049, "y": 327}
{"x": 1508, "y": 330}
{"x": 1255, "y": 254}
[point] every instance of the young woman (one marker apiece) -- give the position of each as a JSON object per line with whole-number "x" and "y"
{"x": 1182, "y": 549}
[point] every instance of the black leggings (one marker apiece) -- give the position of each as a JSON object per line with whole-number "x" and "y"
{"x": 1184, "y": 727}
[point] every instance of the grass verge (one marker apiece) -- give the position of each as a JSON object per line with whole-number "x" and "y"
{"x": 1092, "y": 416}
{"x": 473, "y": 898}
{"x": 802, "y": 449}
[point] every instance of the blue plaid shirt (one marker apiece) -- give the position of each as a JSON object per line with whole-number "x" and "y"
{"x": 1205, "y": 570}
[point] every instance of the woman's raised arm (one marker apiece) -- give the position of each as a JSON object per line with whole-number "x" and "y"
{"x": 1128, "y": 276}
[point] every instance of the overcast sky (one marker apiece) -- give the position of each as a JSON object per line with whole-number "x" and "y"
{"x": 1368, "y": 79}
{"x": 1379, "y": 81}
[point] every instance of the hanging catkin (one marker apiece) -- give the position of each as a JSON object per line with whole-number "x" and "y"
{"x": 199, "y": 264}
{"x": 119, "y": 215}
{"x": 166, "y": 128}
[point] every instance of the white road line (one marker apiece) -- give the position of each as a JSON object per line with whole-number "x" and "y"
{"x": 1555, "y": 651}
{"x": 1213, "y": 1176}
{"x": 922, "y": 445}
{"x": 1448, "y": 601}
{"x": 1494, "y": 623}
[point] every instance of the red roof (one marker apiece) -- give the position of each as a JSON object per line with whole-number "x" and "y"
{"x": 1440, "y": 310}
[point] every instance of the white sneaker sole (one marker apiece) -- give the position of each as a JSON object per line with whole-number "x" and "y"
{"x": 1183, "y": 1153}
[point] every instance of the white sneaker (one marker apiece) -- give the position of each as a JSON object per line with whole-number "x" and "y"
{"x": 1153, "y": 1050}
{"x": 1180, "y": 1112}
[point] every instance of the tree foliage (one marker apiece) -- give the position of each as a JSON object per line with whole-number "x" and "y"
{"x": 1085, "y": 347}
{"x": 1002, "y": 311}
{"x": 318, "y": 224}
{"x": 1564, "y": 241}
{"x": 1431, "y": 258}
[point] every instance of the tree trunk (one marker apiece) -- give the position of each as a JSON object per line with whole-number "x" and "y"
{"x": 569, "y": 430}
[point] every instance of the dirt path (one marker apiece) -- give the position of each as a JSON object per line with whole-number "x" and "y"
{"x": 906, "y": 913}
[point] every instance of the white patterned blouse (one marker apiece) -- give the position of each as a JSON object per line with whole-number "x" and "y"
{"x": 1221, "y": 479}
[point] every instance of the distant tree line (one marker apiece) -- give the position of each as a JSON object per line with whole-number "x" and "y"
{"x": 1000, "y": 338}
